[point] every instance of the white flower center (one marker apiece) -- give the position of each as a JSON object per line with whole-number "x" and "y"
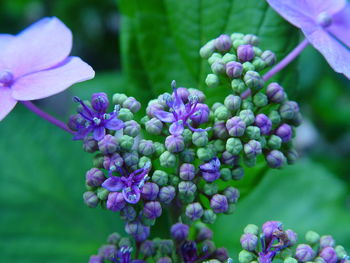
{"x": 324, "y": 19}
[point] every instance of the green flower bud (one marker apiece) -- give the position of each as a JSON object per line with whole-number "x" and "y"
{"x": 253, "y": 80}
{"x": 200, "y": 139}
{"x": 237, "y": 36}
{"x": 259, "y": 64}
{"x": 225, "y": 174}
{"x": 251, "y": 229}
{"x": 102, "y": 193}
{"x": 167, "y": 159}
{"x": 218, "y": 67}
{"x": 248, "y": 66}
{"x": 232, "y": 102}
{"x": 237, "y": 43}
{"x": 210, "y": 189}
{"x": 187, "y": 135}
{"x": 146, "y": 147}
{"x": 132, "y": 128}
{"x": 290, "y": 260}
{"x": 212, "y": 81}
{"x": 247, "y": 105}
{"x": 119, "y": 98}
{"x": 187, "y": 191}
{"x": 208, "y": 49}
{"x": 231, "y": 209}
{"x": 222, "y": 113}
{"x": 250, "y": 162}
{"x": 274, "y": 142}
{"x": 253, "y": 132}
{"x": 131, "y": 158}
{"x": 98, "y": 161}
{"x": 205, "y": 154}
{"x": 126, "y": 142}
{"x": 237, "y": 173}
{"x": 214, "y": 57}
{"x": 257, "y": 51}
{"x": 174, "y": 180}
{"x": 125, "y": 115}
{"x": 262, "y": 141}
{"x": 251, "y": 39}
{"x": 154, "y": 126}
{"x": 275, "y": 117}
{"x": 269, "y": 57}
{"x": 228, "y": 57}
{"x": 219, "y": 145}
{"x": 159, "y": 148}
{"x": 247, "y": 116}
{"x": 312, "y": 237}
{"x": 143, "y": 120}
{"x": 147, "y": 222}
{"x": 238, "y": 86}
{"x": 260, "y": 99}
{"x": 340, "y": 250}
{"x": 160, "y": 177}
{"x": 292, "y": 155}
{"x": 286, "y": 253}
{"x": 216, "y": 105}
{"x": 234, "y": 146}
{"x": 209, "y": 217}
{"x": 143, "y": 160}
{"x": 245, "y": 257}
{"x": 187, "y": 156}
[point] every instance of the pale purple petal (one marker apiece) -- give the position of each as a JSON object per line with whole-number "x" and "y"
{"x": 315, "y": 7}
{"x": 131, "y": 194}
{"x": 49, "y": 82}
{"x": 113, "y": 184}
{"x": 340, "y": 26}
{"x": 164, "y": 116}
{"x": 7, "y": 103}
{"x": 336, "y": 54}
{"x": 176, "y": 128}
{"x": 5, "y": 40}
{"x": 99, "y": 133}
{"x": 114, "y": 124}
{"x": 82, "y": 133}
{"x": 41, "y": 46}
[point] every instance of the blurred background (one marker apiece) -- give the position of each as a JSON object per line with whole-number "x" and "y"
{"x": 138, "y": 47}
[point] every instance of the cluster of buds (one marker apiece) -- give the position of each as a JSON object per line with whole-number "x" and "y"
{"x": 276, "y": 243}
{"x": 254, "y": 120}
{"x": 178, "y": 249}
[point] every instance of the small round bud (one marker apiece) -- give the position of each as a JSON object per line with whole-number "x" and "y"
{"x": 119, "y": 98}
{"x": 147, "y": 248}
{"x": 248, "y": 66}
{"x": 329, "y": 255}
{"x": 187, "y": 190}
{"x": 108, "y": 144}
{"x": 258, "y": 63}
{"x": 99, "y": 102}
{"x": 225, "y": 174}
{"x": 238, "y": 86}
{"x": 167, "y": 194}
{"x": 200, "y": 139}
{"x": 232, "y": 102}
{"x": 222, "y": 113}
{"x": 131, "y": 159}
{"x": 251, "y": 39}
{"x": 132, "y": 104}
{"x": 205, "y": 154}
{"x": 128, "y": 213}
{"x": 276, "y": 159}
{"x": 90, "y": 199}
{"x": 211, "y": 170}
{"x": 115, "y": 201}
{"x": 270, "y": 227}
{"x": 154, "y": 126}
{"x": 208, "y": 246}
{"x": 327, "y": 241}
{"x": 125, "y": 115}
{"x": 126, "y": 142}
{"x": 209, "y": 217}
{"x": 218, "y": 67}
{"x": 210, "y": 189}
{"x": 235, "y": 126}
{"x": 289, "y": 110}
{"x": 274, "y": 142}
{"x": 152, "y": 107}
{"x": 247, "y": 116}
{"x": 228, "y": 158}
{"x": 228, "y": 57}
{"x": 264, "y": 123}
{"x": 96, "y": 259}
{"x": 237, "y": 173}
{"x": 113, "y": 238}
{"x": 245, "y": 256}
{"x": 179, "y": 231}
{"x": 94, "y": 177}
{"x": 290, "y": 260}
{"x": 292, "y": 237}
{"x": 90, "y": 144}
{"x": 212, "y": 81}
{"x": 187, "y": 171}
{"x": 312, "y": 237}
{"x": 237, "y": 36}
{"x": 166, "y": 246}
{"x": 146, "y": 147}
{"x": 214, "y": 57}
{"x": 220, "y": 130}
{"x": 340, "y": 250}
{"x": 292, "y": 156}
{"x": 275, "y": 117}
{"x": 247, "y": 105}
{"x": 252, "y": 229}
{"x": 223, "y": 43}
{"x": 245, "y": 53}
{"x": 269, "y": 57}
{"x": 137, "y": 230}
{"x": 219, "y": 203}
{"x": 249, "y": 242}
{"x": 201, "y": 115}
{"x": 102, "y": 193}
{"x": 304, "y": 253}
{"x": 144, "y": 161}
{"x": 152, "y": 210}
{"x": 107, "y": 251}
{"x": 187, "y": 156}
{"x": 131, "y": 128}
{"x": 275, "y": 93}
{"x": 284, "y": 132}
{"x": 252, "y": 149}
{"x": 167, "y": 159}
{"x": 194, "y": 211}
{"x": 253, "y": 80}
{"x": 234, "y": 69}
{"x": 207, "y": 50}
{"x": 174, "y": 143}
{"x": 232, "y": 194}
{"x": 260, "y": 99}
{"x": 221, "y": 254}
{"x": 160, "y": 177}
{"x": 253, "y": 132}
{"x": 159, "y": 148}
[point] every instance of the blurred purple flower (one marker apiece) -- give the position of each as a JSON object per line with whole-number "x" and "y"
{"x": 35, "y": 64}
{"x": 326, "y": 25}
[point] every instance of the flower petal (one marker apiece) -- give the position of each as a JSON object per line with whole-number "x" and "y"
{"x": 114, "y": 124}
{"x": 42, "y": 45}
{"x": 99, "y": 133}
{"x": 340, "y": 26}
{"x": 113, "y": 184}
{"x": 7, "y": 103}
{"x": 336, "y": 54}
{"x": 5, "y": 41}
{"x": 131, "y": 194}
{"x": 164, "y": 116}
{"x": 49, "y": 82}
{"x": 176, "y": 128}
{"x": 315, "y": 7}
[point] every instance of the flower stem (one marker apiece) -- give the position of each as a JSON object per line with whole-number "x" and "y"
{"x": 289, "y": 58}
{"x": 46, "y": 116}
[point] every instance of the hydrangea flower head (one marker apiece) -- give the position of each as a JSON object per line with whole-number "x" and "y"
{"x": 35, "y": 64}
{"x": 326, "y": 25}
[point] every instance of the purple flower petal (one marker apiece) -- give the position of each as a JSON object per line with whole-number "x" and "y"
{"x": 164, "y": 116}
{"x": 49, "y": 82}
{"x": 131, "y": 194}
{"x": 7, "y": 103}
{"x": 113, "y": 184}
{"x": 340, "y": 26}
{"x": 176, "y": 128}
{"x": 99, "y": 133}
{"x": 82, "y": 133}
{"x": 5, "y": 40}
{"x": 42, "y": 45}
{"x": 114, "y": 124}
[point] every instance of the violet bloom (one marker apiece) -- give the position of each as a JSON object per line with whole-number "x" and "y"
{"x": 180, "y": 113}
{"x": 211, "y": 170}
{"x": 95, "y": 120}
{"x": 130, "y": 185}
{"x": 326, "y": 25}
{"x": 123, "y": 255}
{"x": 35, "y": 64}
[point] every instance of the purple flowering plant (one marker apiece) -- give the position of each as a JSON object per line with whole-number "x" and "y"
{"x": 186, "y": 157}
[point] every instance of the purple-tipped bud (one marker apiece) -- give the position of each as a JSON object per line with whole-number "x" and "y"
{"x": 235, "y": 126}
{"x": 147, "y": 248}
{"x": 252, "y": 149}
{"x": 183, "y": 93}
{"x": 269, "y": 227}
{"x": 108, "y": 144}
{"x": 275, "y": 159}
{"x": 220, "y": 130}
{"x": 234, "y": 69}
{"x": 249, "y": 241}
{"x": 284, "y": 132}
{"x": 146, "y": 147}
{"x": 211, "y": 170}
{"x": 219, "y": 203}
{"x": 292, "y": 237}
{"x": 94, "y": 177}
{"x": 245, "y": 53}
{"x": 175, "y": 143}
{"x": 96, "y": 259}
{"x": 150, "y": 191}
{"x": 223, "y": 43}
{"x": 99, "y": 102}
{"x": 137, "y": 230}
{"x": 154, "y": 126}
{"x": 304, "y": 253}
{"x": 327, "y": 241}
{"x": 111, "y": 162}
{"x": 233, "y": 102}
{"x": 167, "y": 194}
{"x": 132, "y": 104}
{"x": 152, "y": 210}
{"x": 275, "y": 92}
{"x": 289, "y": 110}
{"x": 187, "y": 188}
{"x": 201, "y": 115}
{"x": 264, "y": 123}
{"x": 115, "y": 201}
{"x": 198, "y": 94}
{"x": 251, "y": 39}
{"x": 232, "y": 194}
{"x": 204, "y": 233}
{"x": 164, "y": 260}
{"x": 131, "y": 128}
{"x": 107, "y": 252}
{"x": 90, "y": 199}
{"x": 194, "y": 211}
{"x": 221, "y": 254}
{"x": 113, "y": 238}
{"x": 229, "y": 158}
{"x": 179, "y": 231}
{"x": 329, "y": 255}
{"x": 269, "y": 57}
{"x": 187, "y": 171}
{"x": 218, "y": 67}
{"x": 128, "y": 213}
{"x": 90, "y": 144}
{"x": 152, "y": 107}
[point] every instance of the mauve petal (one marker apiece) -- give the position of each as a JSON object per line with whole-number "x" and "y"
{"x": 315, "y": 7}
{"x": 7, "y": 103}
{"x": 133, "y": 195}
{"x": 164, "y": 116}
{"x": 340, "y": 26}
{"x": 81, "y": 133}
{"x": 99, "y": 133}
{"x": 42, "y": 45}
{"x": 113, "y": 184}
{"x": 49, "y": 82}
{"x": 336, "y": 54}
{"x": 176, "y": 128}
{"x": 114, "y": 124}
